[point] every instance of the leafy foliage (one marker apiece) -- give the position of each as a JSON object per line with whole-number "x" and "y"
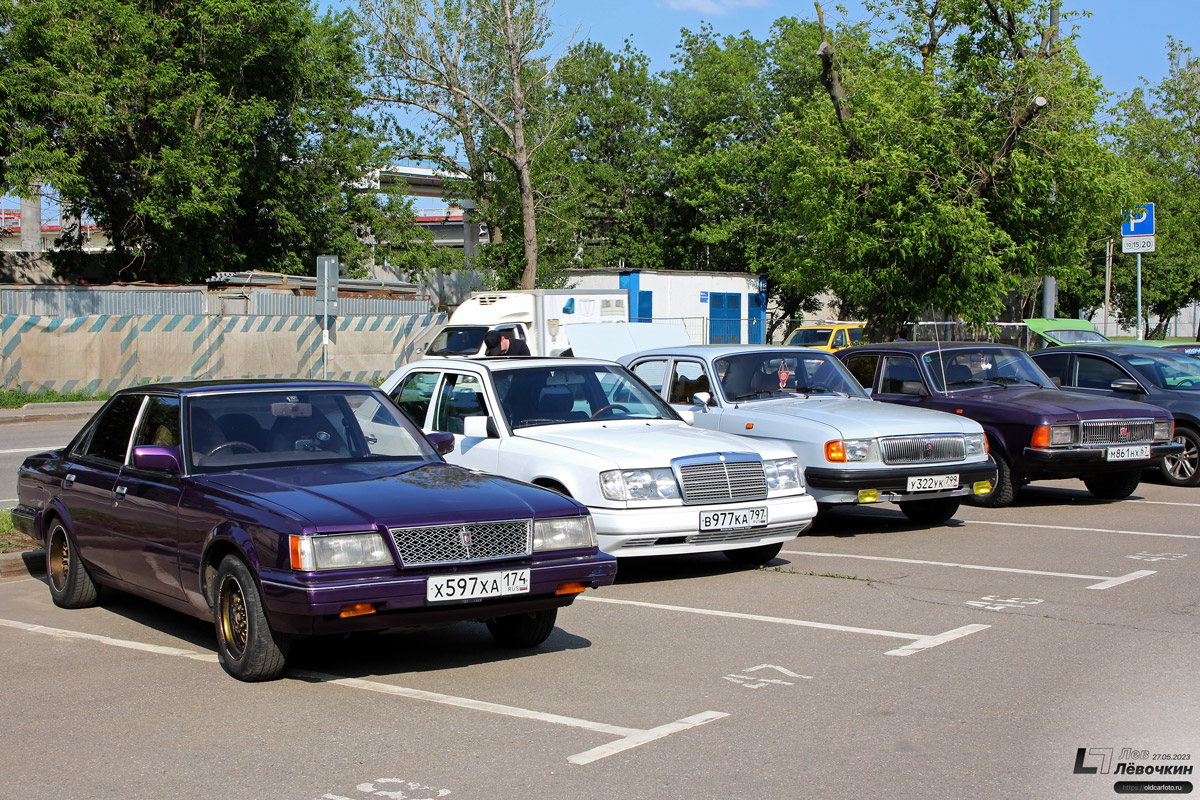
{"x": 203, "y": 136}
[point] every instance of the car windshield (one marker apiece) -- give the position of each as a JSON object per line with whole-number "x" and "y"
{"x": 1168, "y": 370}
{"x": 236, "y": 430}
{"x": 457, "y": 341}
{"x": 769, "y": 373}
{"x": 535, "y": 396}
{"x": 807, "y": 337}
{"x": 959, "y": 369}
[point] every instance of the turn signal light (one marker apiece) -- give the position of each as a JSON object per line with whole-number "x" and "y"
{"x": 835, "y": 451}
{"x": 1041, "y": 436}
{"x": 570, "y": 588}
{"x": 357, "y": 610}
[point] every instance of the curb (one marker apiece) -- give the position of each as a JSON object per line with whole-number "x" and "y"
{"x": 28, "y": 562}
{"x": 39, "y": 412}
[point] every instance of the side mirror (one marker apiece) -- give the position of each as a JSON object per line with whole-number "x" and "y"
{"x": 160, "y": 458}
{"x": 913, "y": 387}
{"x": 479, "y": 426}
{"x": 442, "y": 442}
{"x": 704, "y": 399}
{"x": 1126, "y": 385}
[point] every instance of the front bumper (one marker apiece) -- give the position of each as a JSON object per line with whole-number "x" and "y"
{"x": 310, "y": 603}
{"x": 1092, "y": 459}
{"x": 676, "y": 529}
{"x": 841, "y": 486}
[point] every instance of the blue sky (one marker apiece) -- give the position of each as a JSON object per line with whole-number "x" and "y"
{"x": 1122, "y": 40}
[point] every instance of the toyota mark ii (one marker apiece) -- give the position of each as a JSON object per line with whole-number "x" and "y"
{"x": 280, "y": 509}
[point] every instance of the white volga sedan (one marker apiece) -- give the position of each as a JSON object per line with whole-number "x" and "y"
{"x": 588, "y": 429}
{"x": 855, "y": 450}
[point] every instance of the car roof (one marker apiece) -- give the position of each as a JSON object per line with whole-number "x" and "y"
{"x": 1123, "y": 348}
{"x": 245, "y": 384}
{"x": 511, "y": 362}
{"x": 925, "y": 347}
{"x": 710, "y": 350}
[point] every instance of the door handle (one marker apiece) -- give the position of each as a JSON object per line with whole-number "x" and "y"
{"x": 70, "y": 479}
{"x": 120, "y": 492}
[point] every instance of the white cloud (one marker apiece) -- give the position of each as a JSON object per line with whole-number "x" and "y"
{"x": 714, "y": 7}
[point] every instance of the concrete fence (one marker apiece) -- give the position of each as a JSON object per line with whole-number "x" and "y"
{"x": 101, "y": 353}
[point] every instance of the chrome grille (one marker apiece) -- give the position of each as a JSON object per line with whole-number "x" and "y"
{"x": 716, "y": 481}
{"x": 1118, "y": 431}
{"x": 472, "y": 541}
{"x": 916, "y": 449}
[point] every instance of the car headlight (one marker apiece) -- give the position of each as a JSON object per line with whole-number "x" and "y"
{"x": 1164, "y": 430}
{"x": 976, "y": 444}
{"x": 1052, "y": 435}
{"x": 844, "y": 450}
{"x": 639, "y": 484}
{"x": 338, "y": 551}
{"x": 562, "y": 533}
{"x": 782, "y": 474}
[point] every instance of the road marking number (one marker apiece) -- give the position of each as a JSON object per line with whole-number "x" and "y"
{"x": 992, "y": 603}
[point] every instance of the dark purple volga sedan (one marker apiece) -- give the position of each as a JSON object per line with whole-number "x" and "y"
{"x": 1035, "y": 431}
{"x": 288, "y": 508}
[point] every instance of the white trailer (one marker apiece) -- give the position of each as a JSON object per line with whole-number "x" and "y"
{"x": 538, "y": 316}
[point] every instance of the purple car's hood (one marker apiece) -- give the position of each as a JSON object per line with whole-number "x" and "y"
{"x": 390, "y": 494}
{"x": 1055, "y": 401}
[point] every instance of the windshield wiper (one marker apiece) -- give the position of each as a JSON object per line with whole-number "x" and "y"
{"x": 759, "y": 393}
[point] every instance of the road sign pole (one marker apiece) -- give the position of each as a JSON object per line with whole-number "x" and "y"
{"x": 1140, "y": 335}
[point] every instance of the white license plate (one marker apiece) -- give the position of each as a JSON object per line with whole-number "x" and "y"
{"x": 1128, "y": 452}
{"x": 931, "y": 483}
{"x": 733, "y": 520}
{"x": 448, "y": 588}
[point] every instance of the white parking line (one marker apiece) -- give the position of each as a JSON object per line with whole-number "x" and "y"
{"x": 1106, "y": 582}
{"x": 1163, "y": 503}
{"x": 1085, "y": 530}
{"x": 920, "y": 641}
{"x": 629, "y": 738}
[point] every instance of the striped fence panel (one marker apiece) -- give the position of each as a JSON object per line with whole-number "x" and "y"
{"x": 103, "y": 353}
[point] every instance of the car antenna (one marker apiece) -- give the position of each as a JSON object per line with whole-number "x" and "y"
{"x": 941, "y": 361}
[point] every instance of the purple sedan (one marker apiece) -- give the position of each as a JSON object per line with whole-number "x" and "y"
{"x": 288, "y": 508}
{"x": 1035, "y": 431}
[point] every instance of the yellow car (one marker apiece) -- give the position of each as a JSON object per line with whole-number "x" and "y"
{"x": 828, "y": 335}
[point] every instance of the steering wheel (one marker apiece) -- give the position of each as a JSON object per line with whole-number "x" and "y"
{"x": 1187, "y": 381}
{"x": 609, "y": 407}
{"x": 220, "y": 447}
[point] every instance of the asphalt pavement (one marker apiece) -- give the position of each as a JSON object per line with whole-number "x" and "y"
{"x": 35, "y": 561}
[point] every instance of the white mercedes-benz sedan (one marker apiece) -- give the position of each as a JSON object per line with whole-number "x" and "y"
{"x": 589, "y": 429}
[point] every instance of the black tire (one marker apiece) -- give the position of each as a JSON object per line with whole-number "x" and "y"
{"x": 246, "y": 646}
{"x": 931, "y": 512}
{"x": 754, "y": 556}
{"x": 1004, "y": 490}
{"x": 1183, "y": 469}
{"x": 1113, "y": 485}
{"x": 70, "y": 584}
{"x": 523, "y": 630}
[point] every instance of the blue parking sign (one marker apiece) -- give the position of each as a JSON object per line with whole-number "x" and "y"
{"x": 1140, "y": 222}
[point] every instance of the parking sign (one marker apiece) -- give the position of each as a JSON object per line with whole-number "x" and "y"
{"x": 1140, "y": 222}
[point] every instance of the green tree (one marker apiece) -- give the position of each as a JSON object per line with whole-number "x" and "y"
{"x": 939, "y": 172}
{"x": 1159, "y": 136}
{"x": 202, "y": 136}
{"x": 476, "y": 73}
